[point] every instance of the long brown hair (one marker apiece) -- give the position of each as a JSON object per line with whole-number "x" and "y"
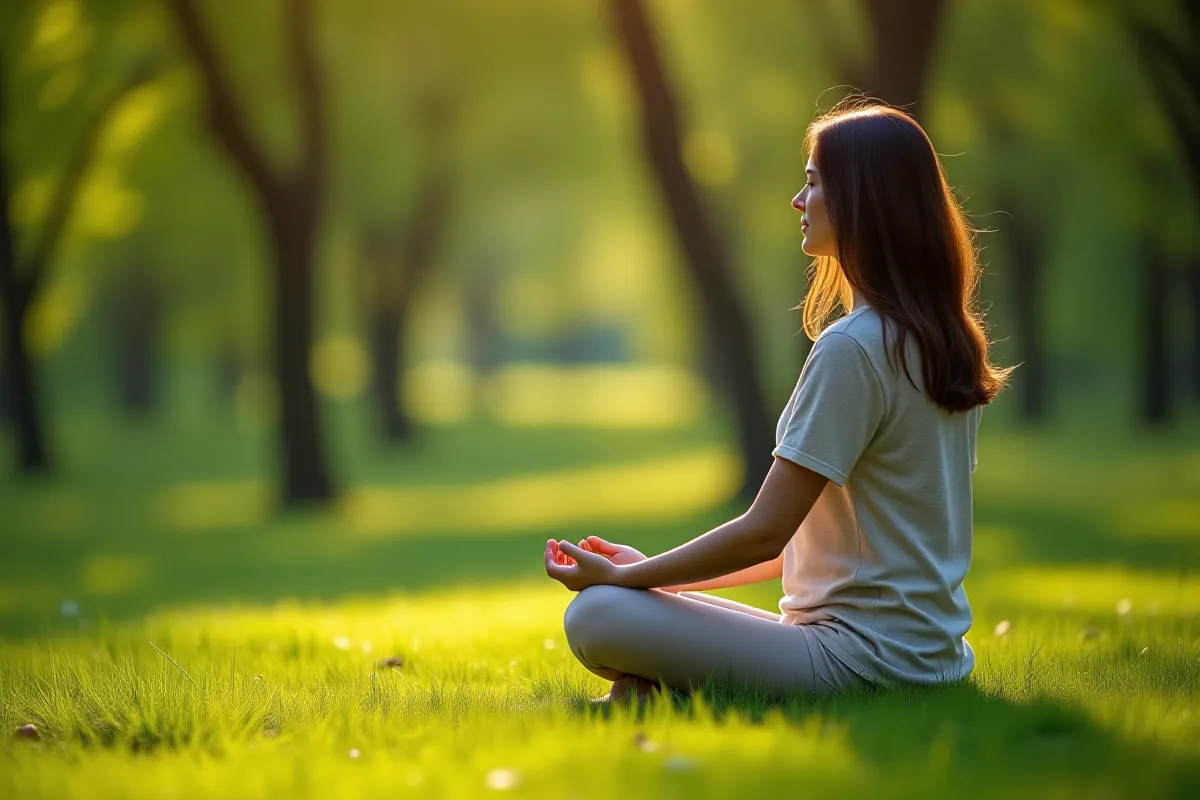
{"x": 904, "y": 245}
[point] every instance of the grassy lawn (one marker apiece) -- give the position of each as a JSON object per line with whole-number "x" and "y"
{"x": 1084, "y": 589}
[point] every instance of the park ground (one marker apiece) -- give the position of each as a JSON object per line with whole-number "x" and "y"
{"x": 168, "y": 635}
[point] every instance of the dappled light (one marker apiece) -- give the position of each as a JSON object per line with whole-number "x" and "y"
{"x": 321, "y": 321}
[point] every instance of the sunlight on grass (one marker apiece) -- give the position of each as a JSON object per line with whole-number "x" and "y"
{"x": 597, "y": 396}
{"x": 1178, "y": 518}
{"x": 216, "y": 505}
{"x": 658, "y": 489}
{"x": 1086, "y": 630}
{"x": 294, "y": 698}
{"x": 626, "y": 396}
{"x": 1101, "y": 589}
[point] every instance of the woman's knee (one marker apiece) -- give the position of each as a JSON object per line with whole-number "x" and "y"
{"x": 594, "y": 614}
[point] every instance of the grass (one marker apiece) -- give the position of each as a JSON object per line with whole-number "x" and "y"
{"x": 273, "y": 629}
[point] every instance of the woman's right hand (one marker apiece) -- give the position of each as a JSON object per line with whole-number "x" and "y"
{"x": 616, "y": 553}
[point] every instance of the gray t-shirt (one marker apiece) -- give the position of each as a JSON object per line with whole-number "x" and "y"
{"x": 877, "y": 566}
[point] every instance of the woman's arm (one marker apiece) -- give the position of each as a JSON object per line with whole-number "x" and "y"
{"x": 765, "y": 571}
{"x": 757, "y": 536}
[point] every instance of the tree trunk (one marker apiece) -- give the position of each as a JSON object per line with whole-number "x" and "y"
{"x": 485, "y": 335}
{"x": 1026, "y": 293}
{"x": 24, "y": 411}
{"x": 227, "y": 375}
{"x": 401, "y": 264}
{"x": 723, "y": 308}
{"x": 139, "y": 313}
{"x": 387, "y": 329}
{"x": 1156, "y": 362}
{"x": 903, "y": 36}
{"x": 290, "y": 202}
{"x": 1192, "y": 277}
{"x": 303, "y": 467}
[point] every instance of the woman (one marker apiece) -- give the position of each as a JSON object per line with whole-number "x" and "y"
{"x": 865, "y": 513}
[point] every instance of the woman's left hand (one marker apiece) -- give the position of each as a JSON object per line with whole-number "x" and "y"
{"x": 576, "y": 568}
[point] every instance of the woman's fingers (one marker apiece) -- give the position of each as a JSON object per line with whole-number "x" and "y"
{"x": 554, "y": 567}
{"x": 572, "y": 550}
{"x": 601, "y": 546}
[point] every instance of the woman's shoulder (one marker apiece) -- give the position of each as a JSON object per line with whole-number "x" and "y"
{"x": 863, "y": 325}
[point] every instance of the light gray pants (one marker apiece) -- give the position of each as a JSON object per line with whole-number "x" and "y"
{"x": 683, "y": 639}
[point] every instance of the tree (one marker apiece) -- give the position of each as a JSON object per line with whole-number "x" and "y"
{"x": 290, "y": 203}
{"x": 1172, "y": 65}
{"x": 399, "y": 258}
{"x": 138, "y": 306}
{"x": 21, "y": 282}
{"x": 724, "y": 311}
{"x": 903, "y": 42}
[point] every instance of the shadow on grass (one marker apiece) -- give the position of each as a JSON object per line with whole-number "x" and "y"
{"x": 1044, "y": 535}
{"x": 957, "y": 732}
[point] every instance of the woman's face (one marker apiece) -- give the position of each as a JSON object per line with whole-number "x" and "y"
{"x": 814, "y": 222}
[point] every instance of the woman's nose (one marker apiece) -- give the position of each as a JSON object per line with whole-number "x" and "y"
{"x": 798, "y": 202}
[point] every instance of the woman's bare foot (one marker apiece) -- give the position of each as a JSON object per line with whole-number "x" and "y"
{"x": 626, "y": 688}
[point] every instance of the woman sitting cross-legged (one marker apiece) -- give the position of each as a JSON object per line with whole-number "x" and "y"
{"x": 865, "y": 513}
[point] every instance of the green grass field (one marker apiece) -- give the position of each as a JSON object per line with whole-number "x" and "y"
{"x": 1084, "y": 588}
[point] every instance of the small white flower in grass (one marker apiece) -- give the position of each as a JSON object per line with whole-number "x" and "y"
{"x": 354, "y": 752}
{"x": 502, "y": 779}
{"x": 341, "y": 643}
{"x": 1003, "y": 627}
{"x": 69, "y": 608}
{"x": 548, "y": 644}
{"x": 1125, "y": 607}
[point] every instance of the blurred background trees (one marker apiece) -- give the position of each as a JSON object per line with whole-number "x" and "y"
{"x": 564, "y": 215}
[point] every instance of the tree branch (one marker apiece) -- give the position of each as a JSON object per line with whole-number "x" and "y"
{"x": 67, "y": 191}
{"x": 657, "y": 101}
{"x": 1191, "y": 10}
{"x": 1187, "y": 130}
{"x": 310, "y": 98}
{"x": 1153, "y": 43}
{"x": 227, "y": 123}
{"x": 11, "y": 286}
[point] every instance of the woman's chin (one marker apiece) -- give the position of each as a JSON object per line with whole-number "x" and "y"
{"x": 812, "y": 249}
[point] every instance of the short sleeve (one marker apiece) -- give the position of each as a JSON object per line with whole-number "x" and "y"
{"x": 974, "y": 439}
{"x": 837, "y": 408}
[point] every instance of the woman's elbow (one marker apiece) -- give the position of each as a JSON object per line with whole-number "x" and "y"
{"x": 769, "y": 545}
